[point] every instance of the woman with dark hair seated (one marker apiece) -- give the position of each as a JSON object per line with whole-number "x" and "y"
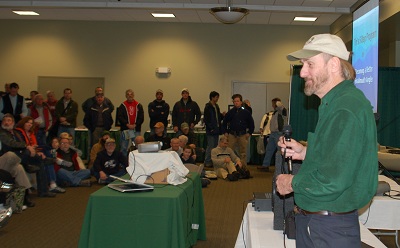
{"x": 24, "y": 133}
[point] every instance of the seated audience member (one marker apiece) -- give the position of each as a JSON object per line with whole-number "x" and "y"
{"x": 10, "y": 162}
{"x": 137, "y": 141}
{"x": 24, "y": 132}
{"x": 98, "y": 147}
{"x": 109, "y": 162}
{"x": 183, "y": 141}
{"x": 71, "y": 142}
{"x": 159, "y": 136}
{"x": 186, "y": 155}
{"x": 51, "y": 152}
{"x": 175, "y": 146}
{"x": 191, "y": 138}
{"x": 224, "y": 160}
{"x": 74, "y": 172}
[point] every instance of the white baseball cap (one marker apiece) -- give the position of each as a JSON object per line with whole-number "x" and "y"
{"x": 321, "y": 43}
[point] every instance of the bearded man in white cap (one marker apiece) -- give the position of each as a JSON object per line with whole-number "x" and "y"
{"x": 339, "y": 172}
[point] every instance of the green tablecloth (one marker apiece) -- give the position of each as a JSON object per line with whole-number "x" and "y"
{"x": 162, "y": 218}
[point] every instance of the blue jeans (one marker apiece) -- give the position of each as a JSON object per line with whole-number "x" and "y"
{"x": 212, "y": 142}
{"x": 50, "y": 172}
{"x": 125, "y": 143}
{"x": 72, "y": 177}
{"x": 271, "y": 148}
{"x": 328, "y": 231}
{"x": 41, "y": 137}
{"x": 62, "y": 129}
{"x": 110, "y": 179}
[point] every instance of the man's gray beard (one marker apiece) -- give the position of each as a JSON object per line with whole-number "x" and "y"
{"x": 6, "y": 128}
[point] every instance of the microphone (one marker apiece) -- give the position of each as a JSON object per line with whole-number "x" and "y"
{"x": 287, "y": 133}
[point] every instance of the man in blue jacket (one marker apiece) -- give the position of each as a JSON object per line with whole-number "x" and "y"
{"x": 238, "y": 125}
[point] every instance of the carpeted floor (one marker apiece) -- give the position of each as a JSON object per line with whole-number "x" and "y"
{"x": 57, "y": 222}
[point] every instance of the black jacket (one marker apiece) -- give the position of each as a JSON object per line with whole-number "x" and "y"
{"x": 238, "y": 120}
{"x": 7, "y": 106}
{"x": 189, "y": 113}
{"x": 213, "y": 124}
{"x": 158, "y": 112}
{"x": 122, "y": 117}
{"x": 91, "y": 117}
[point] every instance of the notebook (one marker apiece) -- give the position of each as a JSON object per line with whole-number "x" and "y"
{"x": 131, "y": 187}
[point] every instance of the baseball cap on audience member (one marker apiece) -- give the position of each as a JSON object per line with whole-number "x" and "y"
{"x": 105, "y": 132}
{"x": 321, "y": 43}
{"x": 159, "y": 91}
{"x": 110, "y": 140}
{"x": 159, "y": 125}
{"x": 185, "y": 89}
{"x": 184, "y": 126}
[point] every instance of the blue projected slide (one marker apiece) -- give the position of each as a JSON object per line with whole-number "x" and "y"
{"x": 365, "y": 50}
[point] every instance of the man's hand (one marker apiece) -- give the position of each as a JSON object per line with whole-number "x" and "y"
{"x": 131, "y": 127}
{"x": 103, "y": 176}
{"x": 227, "y": 160}
{"x": 293, "y": 149}
{"x": 32, "y": 150}
{"x": 239, "y": 162}
{"x": 284, "y": 184}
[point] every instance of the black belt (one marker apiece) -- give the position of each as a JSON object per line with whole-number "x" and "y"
{"x": 238, "y": 133}
{"x": 322, "y": 212}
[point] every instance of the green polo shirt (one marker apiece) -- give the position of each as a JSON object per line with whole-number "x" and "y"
{"x": 340, "y": 170}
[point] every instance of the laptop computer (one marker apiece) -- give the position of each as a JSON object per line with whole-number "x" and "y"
{"x": 131, "y": 187}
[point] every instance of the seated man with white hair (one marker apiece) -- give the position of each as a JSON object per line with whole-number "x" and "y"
{"x": 225, "y": 161}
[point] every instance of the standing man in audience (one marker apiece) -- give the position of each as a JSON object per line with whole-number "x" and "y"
{"x": 98, "y": 118}
{"x": 51, "y": 102}
{"x": 213, "y": 122}
{"x": 158, "y": 111}
{"x": 185, "y": 110}
{"x": 279, "y": 118}
{"x": 238, "y": 125}
{"x": 41, "y": 115}
{"x": 130, "y": 116}
{"x": 339, "y": 172}
{"x": 13, "y": 103}
{"x": 66, "y": 113}
{"x": 92, "y": 100}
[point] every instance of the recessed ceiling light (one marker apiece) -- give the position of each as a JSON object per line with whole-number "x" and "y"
{"x": 163, "y": 15}
{"x": 304, "y": 19}
{"x": 23, "y": 12}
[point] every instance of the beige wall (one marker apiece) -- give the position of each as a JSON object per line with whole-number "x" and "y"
{"x": 202, "y": 57}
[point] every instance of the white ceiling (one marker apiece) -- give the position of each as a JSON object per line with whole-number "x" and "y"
{"x": 278, "y": 12}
